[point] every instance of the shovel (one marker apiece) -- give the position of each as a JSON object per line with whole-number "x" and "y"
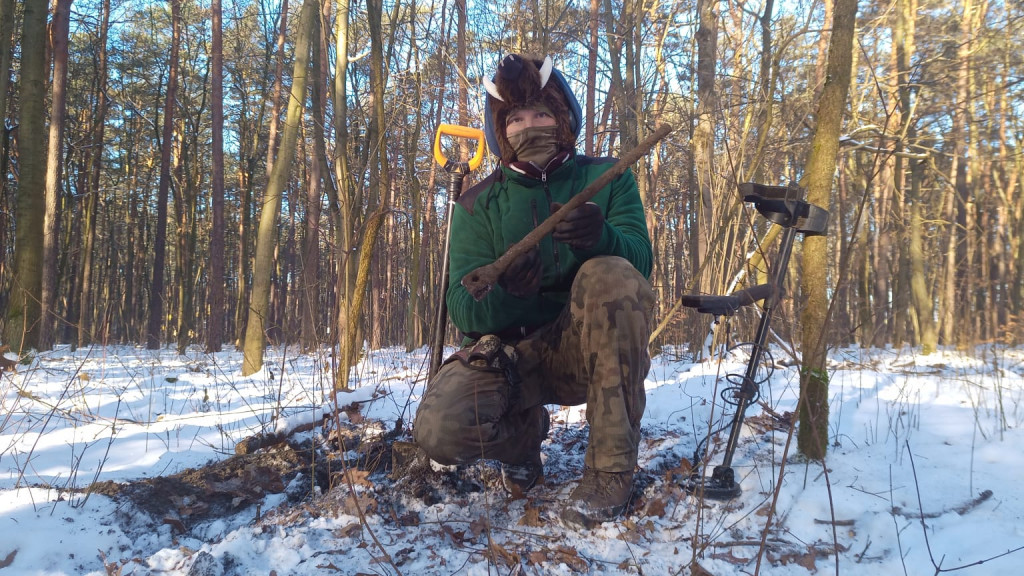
{"x": 457, "y": 171}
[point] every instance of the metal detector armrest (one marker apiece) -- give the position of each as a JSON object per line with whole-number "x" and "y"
{"x": 769, "y": 192}
{"x": 805, "y": 217}
{"x": 727, "y": 305}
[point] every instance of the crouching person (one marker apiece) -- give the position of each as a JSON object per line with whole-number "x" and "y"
{"x": 569, "y": 321}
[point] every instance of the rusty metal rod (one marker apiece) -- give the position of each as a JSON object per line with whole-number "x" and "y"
{"x": 480, "y": 281}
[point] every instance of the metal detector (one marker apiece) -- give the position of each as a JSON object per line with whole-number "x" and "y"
{"x": 783, "y": 206}
{"x": 457, "y": 172}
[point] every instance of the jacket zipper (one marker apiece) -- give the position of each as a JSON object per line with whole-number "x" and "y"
{"x": 554, "y": 245}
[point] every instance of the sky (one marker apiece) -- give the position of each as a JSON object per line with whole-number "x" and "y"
{"x": 922, "y": 473}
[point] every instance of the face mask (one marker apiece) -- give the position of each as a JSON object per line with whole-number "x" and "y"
{"x": 536, "y": 144}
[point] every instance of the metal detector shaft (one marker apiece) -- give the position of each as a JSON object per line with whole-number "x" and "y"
{"x": 781, "y": 206}
{"x": 457, "y": 172}
{"x": 749, "y": 386}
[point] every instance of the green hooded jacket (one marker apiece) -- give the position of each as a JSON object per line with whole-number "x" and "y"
{"x": 505, "y": 207}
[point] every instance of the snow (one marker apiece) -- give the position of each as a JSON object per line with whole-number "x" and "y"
{"x": 915, "y": 442}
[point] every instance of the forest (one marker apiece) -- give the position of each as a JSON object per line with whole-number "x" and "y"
{"x": 254, "y": 172}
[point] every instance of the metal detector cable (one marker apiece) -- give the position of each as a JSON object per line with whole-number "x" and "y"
{"x": 730, "y": 395}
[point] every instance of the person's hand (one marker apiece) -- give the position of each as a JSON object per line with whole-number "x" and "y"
{"x": 582, "y": 228}
{"x": 523, "y": 275}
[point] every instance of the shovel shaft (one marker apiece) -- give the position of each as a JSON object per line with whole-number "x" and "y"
{"x": 480, "y": 281}
{"x": 457, "y": 172}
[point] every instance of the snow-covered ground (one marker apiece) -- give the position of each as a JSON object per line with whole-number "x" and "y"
{"x": 916, "y": 444}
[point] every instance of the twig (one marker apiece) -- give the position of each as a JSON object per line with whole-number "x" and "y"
{"x": 362, "y": 518}
{"x": 834, "y": 522}
{"x": 832, "y": 512}
{"x": 775, "y": 499}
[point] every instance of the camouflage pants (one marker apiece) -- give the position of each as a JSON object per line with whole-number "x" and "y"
{"x": 595, "y": 352}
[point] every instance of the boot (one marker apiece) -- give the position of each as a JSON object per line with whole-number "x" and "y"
{"x": 599, "y": 497}
{"x": 519, "y": 478}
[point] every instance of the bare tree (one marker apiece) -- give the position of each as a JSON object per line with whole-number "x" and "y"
{"x": 703, "y": 142}
{"x": 812, "y": 440}
{"x": 380, "y": 178}
{"x": 154, "y": 332}
{"x": 266, "y": 240}
{"x": 215, "y": 286}
{"x": 92, "y": 187}
{"x": 51, "y": 219}
{"x": 21, "y": 331}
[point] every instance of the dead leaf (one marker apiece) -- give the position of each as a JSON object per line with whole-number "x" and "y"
{"x": 478, "y": 527}
{"x": 457, "y": 537}
{"x": 352, "y": 411}
{"x": 698, "y": 570}
{"x": 357, "y": 477}
{"x": 536, "y": 557}
{"x": 499, "y": 554}
{"x": 656, "y": 507}
{"x": 531, "y": 517}
{"x": 683, "y": 470}
{"x": 805, "y": 560}
{"x": 570, "y": 558}
{"x": 356, "y": 503}
{"x": 410, "y": 519}
{"x": 348, "y": 531}
{"x": 175, "y": 524}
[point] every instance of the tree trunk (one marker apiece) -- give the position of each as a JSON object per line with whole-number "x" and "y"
{"x": 346, "y": 193}
{"x": 21, "y": 331}
{"x": 380, "y": 182}
{"x": 266, "y": 240}
{"x": 154, "y": 331}
{"x": 622, "y": 54}
{"x": 6, "y": 41}
{"x": 318, "y": 176}
{"x": 905, "y": 44}
{"x": 415, "y": 327}
{"x": 215, "y": 285}
{"x": 92, "y": 187}
{"x": 704, "y": 140}
{"x": 592, "y": 49}
{"x": 51, "y": 219}
{"x": 275, "y": 101}
{"x": 812, "y": 440}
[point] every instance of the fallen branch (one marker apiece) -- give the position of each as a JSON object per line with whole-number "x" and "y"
{"x": 480, "y": 281}
{"x": 960, "y": 510}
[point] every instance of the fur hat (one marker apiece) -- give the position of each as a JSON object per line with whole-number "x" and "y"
{"x": 521, "y": 82}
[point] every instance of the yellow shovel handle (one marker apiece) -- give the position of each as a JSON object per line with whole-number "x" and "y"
{"x": 460, "y": 132}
